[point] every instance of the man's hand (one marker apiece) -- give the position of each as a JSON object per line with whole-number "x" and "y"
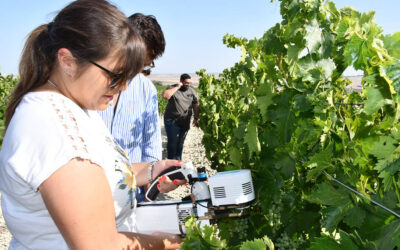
{"x": 168, "y": 93}
{"x": 195, "y": 121}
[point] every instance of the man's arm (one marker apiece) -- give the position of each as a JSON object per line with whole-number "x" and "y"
{"x": 168, "y": 93}
{"x": 196, "y": 114}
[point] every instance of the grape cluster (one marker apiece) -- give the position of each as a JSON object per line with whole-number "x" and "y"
{"x": 274, "y": 217}
{"x": 239, "y": 228}
{"x": 284, "y": 242}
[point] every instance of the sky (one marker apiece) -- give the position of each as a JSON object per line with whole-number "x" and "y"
{"x": 193, "y": 29}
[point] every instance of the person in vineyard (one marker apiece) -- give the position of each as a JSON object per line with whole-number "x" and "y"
{"x": 182, "y": 103}
{"x": 132, "y": 117}
{"x": 65, "y": 182}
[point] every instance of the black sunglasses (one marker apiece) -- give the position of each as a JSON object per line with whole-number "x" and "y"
{"x": 115, "y": 77}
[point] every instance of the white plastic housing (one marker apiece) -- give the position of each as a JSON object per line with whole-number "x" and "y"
{"x": 200, "y": 191}
{"x": 231, "y": 187}
{"x": 166, "y": 216}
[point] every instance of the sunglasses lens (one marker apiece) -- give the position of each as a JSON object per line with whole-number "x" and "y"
{"x": 114, "y": 82}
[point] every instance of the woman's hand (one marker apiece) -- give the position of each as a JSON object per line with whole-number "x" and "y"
{"x": 165, "y": 183}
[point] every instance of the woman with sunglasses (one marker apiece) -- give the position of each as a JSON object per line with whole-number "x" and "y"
{"x": 65, "y": 183}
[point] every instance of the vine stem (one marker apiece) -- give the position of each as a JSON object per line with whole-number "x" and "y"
{"x": 360, "y": 194}
{"x": 279, "y": 62}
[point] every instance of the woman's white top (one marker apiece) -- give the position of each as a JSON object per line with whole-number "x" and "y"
{"x": 45, "y": 133}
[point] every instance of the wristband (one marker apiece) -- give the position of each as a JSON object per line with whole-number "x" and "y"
{"x": 150, "y": 171}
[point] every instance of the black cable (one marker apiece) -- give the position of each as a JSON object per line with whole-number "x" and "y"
{"x": 360, "y": 194}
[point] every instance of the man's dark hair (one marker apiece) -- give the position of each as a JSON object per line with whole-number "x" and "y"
{"x": 184, "y": 77}
{"x": 151, "y": 33}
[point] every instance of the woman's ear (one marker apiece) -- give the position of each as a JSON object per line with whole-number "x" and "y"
{"x": 67, "y": 62}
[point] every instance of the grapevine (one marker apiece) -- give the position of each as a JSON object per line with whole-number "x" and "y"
{"x": 7, "y": 83}
{"x": 285, "y": 111}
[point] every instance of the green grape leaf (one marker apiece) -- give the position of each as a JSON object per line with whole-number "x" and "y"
{"x": 397, "y": 242}
{"x": 387, "y": 168}
{"x": 326, "y": 194}
{"x": 198, "y": 237}
{"x": 392, "y": 71}
{"x": 263, "y": 102}
{"x": 301, "y": 103}
{"x": 384, "y": 147}
{"x": 342, "y": 29}
{"x": 332, "y": 9}
{"x": 268, "y": 242}
{"x": 352, "y": 50}
{"x": 380, "y": 229}
{"x": 251, "y": 138}
{"x": 293, "y": 53}
{"x": 327, "y": 66}
{"x": 375, "y": 100}
{"x": 257, "y": 244}
{"x": 314, "y": 35}
{"x": 392, "y": 44}
{"x": 334, "y": 214}
{"x": 325, "y": 243}
{"x": 282, "y": 117}
{"x": 285, "y": 164}
{"x": 346, "y": 242}
{"x": 235, "y": 156}
{"x": 354, "y": 217}
{"x": 318, "y": 163}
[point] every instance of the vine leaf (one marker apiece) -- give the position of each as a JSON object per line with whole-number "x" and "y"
{"x": 384, "y": 147}
{"x": 392, "y": 44}
{"x": 382, "y": 231}
{"x": 392, "y": 71}
{"x": 334, "y": 214}
{"x": 325, "y": 243}
{"x": 235, "y": 156}
{"x": 256, "y": 244}
{"x": 326, "y": 194}
{"x": 328, "y": 243}
{"x": 263, "y": 102}
{"x": 375, "y": 100}
{"x": 251, "y": 138}
{"x": 318, "y": 163}
{"x": 285, "y": 165}
{"x": 355, "y": 217}
{"x": 387, "y": 168}
{"x": 314, "y": 35}
{"x": 353, "y": 51}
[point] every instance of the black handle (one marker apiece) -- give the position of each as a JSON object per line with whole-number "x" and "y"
{"x": 174, "y": 173}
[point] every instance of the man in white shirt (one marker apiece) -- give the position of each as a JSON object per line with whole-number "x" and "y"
{"x": 132, "y": 117}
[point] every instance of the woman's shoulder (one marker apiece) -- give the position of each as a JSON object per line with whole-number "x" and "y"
{"x": 42, "y": 100}
{"x": 34, "y": 104}
{"x": 43, "y": 111}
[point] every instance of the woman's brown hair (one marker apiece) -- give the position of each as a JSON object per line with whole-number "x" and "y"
{"x": 90, "y": 29}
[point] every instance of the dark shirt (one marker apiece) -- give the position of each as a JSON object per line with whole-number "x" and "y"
{"x": 180, "y": 106}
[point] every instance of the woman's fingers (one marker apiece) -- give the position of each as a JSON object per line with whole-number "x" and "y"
{"x": 179, "y": 182}
{"x": 163, "y": 165}
{"x": 166, "y": 184}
